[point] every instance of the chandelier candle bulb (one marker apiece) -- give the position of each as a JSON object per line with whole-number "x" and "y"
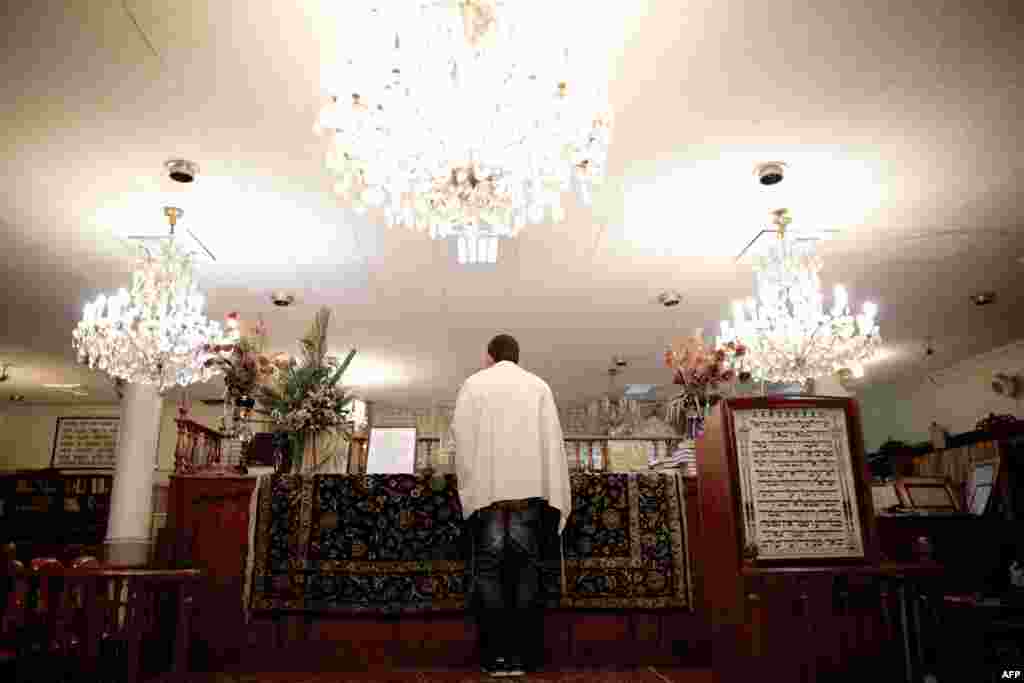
{"x": 840, "y": 302}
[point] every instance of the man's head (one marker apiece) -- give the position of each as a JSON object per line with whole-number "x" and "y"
{"x": 502, "y": 347}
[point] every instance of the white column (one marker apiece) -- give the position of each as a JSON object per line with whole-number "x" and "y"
{"x": 131, "y": 501}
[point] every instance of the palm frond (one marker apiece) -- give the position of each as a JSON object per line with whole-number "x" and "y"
{"x": 314, "y": 344}
{"x": 343, "y": 367}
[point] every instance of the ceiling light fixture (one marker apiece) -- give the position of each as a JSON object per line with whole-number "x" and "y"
{"x": 153, "y": 333}
{"x": 771, "y": 173}
{"x": 983, "y": 298}
{"x": 457, "y": 119}
{"x": 789, "y": 334}
{"x": 282, "y": 299}
{"x": 73, "y": 389}
{"x": 181, "y": 171}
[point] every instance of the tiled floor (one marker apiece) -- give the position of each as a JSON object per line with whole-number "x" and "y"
{"x": 643, "y": 675}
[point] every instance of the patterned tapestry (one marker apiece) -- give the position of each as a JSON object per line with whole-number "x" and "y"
{"x": 394, "y": 543}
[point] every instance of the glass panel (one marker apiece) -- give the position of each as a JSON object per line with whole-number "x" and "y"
{"x": 984, "y": 474}
{"x": 981, "y": 496}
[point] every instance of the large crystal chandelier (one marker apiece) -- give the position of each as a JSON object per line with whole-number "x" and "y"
{"x": 457, "y": 118}
{"x": 153, "y": 333}
{"x": 789, "y": 334}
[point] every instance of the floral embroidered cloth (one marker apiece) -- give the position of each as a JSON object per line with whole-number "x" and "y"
{"x": 394, "y": 543}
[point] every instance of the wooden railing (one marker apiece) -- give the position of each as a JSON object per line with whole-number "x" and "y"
{"x": 95, "y": 622}
{"x": 587, "y": 453}
{"x": 198, "y": 448}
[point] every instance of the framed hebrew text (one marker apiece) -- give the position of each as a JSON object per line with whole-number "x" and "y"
{"x": 798, "y": 487}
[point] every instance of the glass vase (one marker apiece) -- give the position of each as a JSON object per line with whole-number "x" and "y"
{"x": 231, "y": 413}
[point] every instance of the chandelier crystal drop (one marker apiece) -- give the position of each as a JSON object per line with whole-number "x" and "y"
{"x": 153, "y": 333}
{"x": 456, "y": 114}
{"x": 789, "y": 333}
{"x": 476, "y": 247}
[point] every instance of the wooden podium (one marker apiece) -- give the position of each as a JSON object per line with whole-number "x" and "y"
{"x": 792, "y": 582}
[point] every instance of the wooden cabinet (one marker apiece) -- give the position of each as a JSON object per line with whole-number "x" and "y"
{"x": 808, "y": 618}
{"x": 207, "y": 528}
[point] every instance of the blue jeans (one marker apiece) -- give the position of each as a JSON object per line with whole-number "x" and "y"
{"x": 515, "y": 572}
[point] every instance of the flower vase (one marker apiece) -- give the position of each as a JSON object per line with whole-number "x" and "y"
{"x": 694, "y": 426}
{"x": 695, "y": 420}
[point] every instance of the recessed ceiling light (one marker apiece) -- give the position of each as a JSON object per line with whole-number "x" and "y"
{"x": 983, "y": 298}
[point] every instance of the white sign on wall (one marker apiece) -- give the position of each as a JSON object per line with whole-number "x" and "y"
{"x": 85, "y": 443}
{"x": 392, "y": 450}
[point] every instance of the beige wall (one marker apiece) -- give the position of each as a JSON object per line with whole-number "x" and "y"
{"x": 955, "y": 398}
{"x": 27, "y": 431}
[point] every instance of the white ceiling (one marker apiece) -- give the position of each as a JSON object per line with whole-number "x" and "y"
{"x": 900, "y": 121}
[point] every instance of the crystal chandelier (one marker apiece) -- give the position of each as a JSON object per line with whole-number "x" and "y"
{"x": 455, "y": 118}
{"x": 789, "y": 334}
{"x": 153, "y": 333}
{"x": 614, "y": 414}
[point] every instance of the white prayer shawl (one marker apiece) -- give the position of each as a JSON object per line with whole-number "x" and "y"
{"x": 508, "y": 441}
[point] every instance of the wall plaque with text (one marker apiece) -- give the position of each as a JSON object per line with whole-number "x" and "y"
{"x": 85, "y": 443}
{"x": 798, "y": 487}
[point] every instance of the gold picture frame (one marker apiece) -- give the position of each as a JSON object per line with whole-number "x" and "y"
{"x": 927, "y": 494}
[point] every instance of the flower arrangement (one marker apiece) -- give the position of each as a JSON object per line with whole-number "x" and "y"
{"x": 240, "y": 356}
{"x": 701, "y": 371}
{"x": 303, "y": 398}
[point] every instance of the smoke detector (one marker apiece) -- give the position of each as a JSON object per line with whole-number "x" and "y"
{"x": 282, "y": 299}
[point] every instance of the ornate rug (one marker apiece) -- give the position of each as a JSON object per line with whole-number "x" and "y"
{"x": 393, "y": 543}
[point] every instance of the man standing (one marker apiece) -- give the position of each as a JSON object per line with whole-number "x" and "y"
{"x": 514, "y": 484}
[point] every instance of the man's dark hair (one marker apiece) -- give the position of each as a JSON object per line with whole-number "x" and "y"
{"x": 504, "y": 347}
